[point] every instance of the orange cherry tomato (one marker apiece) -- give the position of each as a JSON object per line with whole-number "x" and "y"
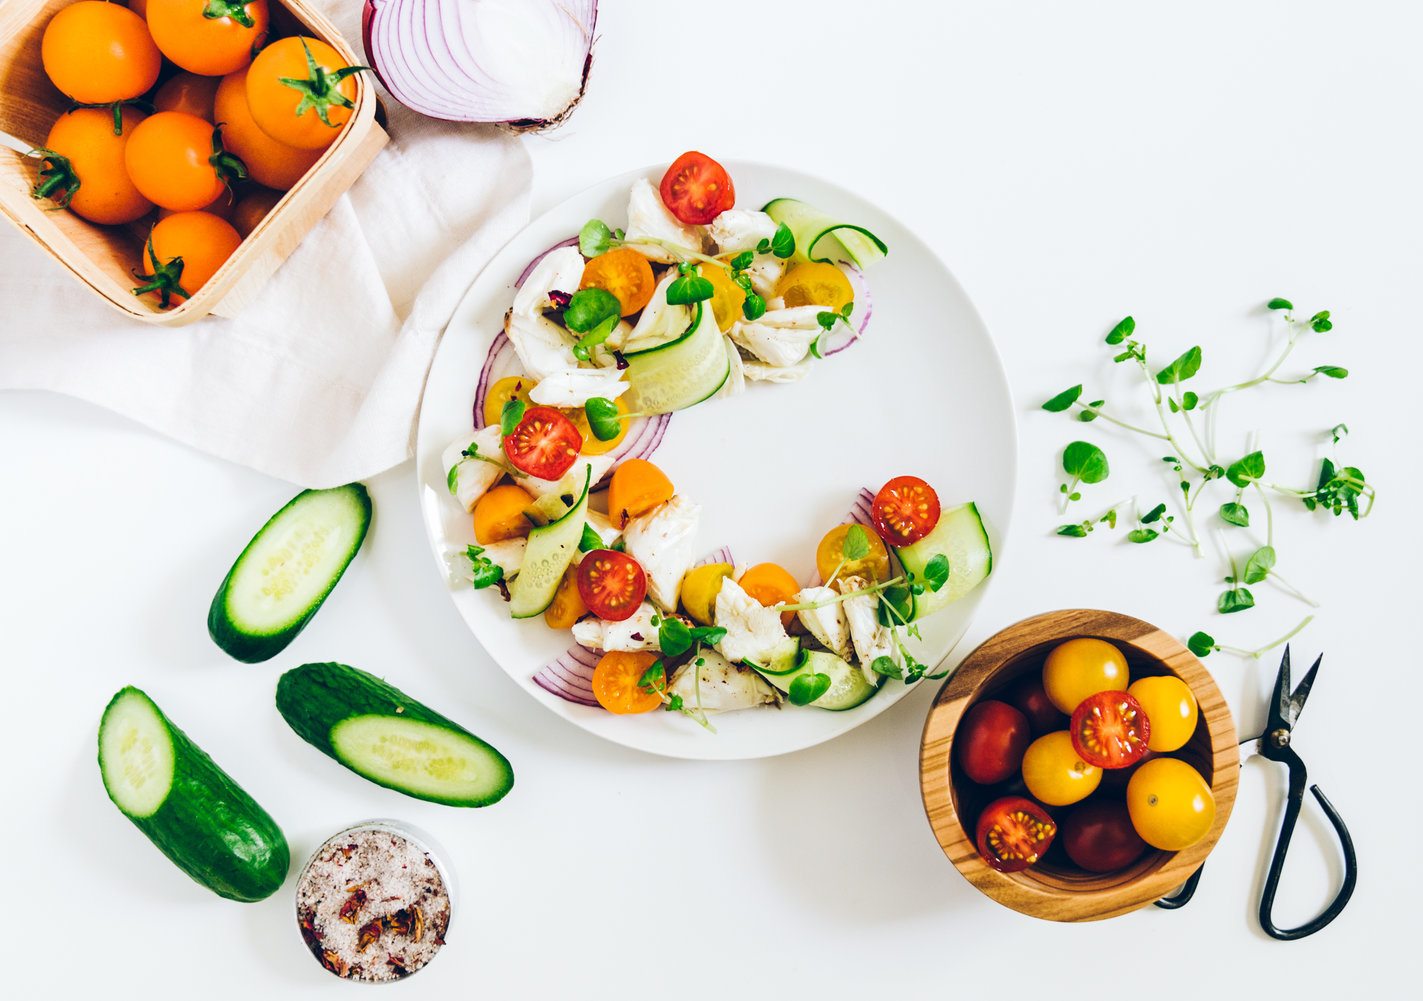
{"x": 696, "y": 189}
{"x": 177, "y": 161}
{"x": 626, "y": 274}
{"x": 268, "y": 162}
{"x": 252, "y": 208}
{"x": 184, "y": 251}
{"x": 189, "y": 93}
{"x": 99, "y": 53}
{"x": 223, "y": 207}
{"x": 499, "y": 514}
{"x": 139, "y": 7}
{"x": 567, "y": 606}
{"x": 771, "y": 584}
{"x": 636, "y": 488}
{"x": 211, "y": 37}
{"x": 87, "y": 171}
{"x": 617, "y": 682}
{"x": 301, "y": 92}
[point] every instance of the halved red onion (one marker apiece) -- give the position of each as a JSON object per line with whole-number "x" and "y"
{"x": 722, "y": 555}
{"x": 842, "y": 335}
{"x": 570, "y": 676}
{"x": 518, "y": 63}
{"x": 572, "y": 241}
{"x": 501, "y": 362}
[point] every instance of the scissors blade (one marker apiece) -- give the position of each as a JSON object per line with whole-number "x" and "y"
{"x": 1280, "y": 700}
{"x": 1302, "y": 692}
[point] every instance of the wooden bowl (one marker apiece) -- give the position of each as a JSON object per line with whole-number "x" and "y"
{"x": 102, "y": 257}
{"x": 1054, "y": 889}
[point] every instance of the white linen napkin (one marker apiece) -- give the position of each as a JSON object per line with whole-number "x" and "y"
{"x": 319, "y": 381}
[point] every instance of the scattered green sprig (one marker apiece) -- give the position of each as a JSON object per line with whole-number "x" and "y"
{"x": 484, "y": 572}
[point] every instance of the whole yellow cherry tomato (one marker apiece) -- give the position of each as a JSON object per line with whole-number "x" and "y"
{"x": 1055, "y": 773}
{"x": 1083, "y": 667}
{"x": 1172, "y": 709}
{"x": 700, "y": 586}
{"x": 1171, "y": 805}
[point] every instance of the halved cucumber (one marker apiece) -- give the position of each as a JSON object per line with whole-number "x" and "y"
{"x": 189, "y": 807}
{"x": 785, "y": 659}
{"x": 963, "y": 541}
{"x": 681, "y": 373}
{"x": 848, "y": 686}
{"x": 819, "y": 237}
{"x": 546, "y": 558}
{"x": 287, "y": 570}
{"x": 380, "y": 733}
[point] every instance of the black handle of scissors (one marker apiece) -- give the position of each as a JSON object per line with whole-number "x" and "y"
{"x": 1282, "y": 847}
{"x": 1183, "y": 896}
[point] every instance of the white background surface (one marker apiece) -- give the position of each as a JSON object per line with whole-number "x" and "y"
{"x": 1071, "y": 163}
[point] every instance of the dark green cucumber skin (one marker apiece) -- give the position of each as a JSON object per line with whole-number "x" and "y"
{"x": 313, "y": 698}
{"x": 211, "y": 829}
{"x": 251, "y": 648}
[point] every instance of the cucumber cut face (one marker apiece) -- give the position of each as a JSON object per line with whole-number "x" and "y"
{"x": 422, "y": 759}
{"x": 961, "y": 538}
{"x": 135, "y": 754}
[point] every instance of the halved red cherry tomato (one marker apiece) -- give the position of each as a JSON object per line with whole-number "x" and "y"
{"x": 545, "y": 444}
{"x": 1110, "y": 730}
{"x": 696, "y": 189}
{"x": 611, "y": 584}
{"x": 905, "y": 510}
{"x": 990, "y": 741}
{"x": 1013, "y": 833}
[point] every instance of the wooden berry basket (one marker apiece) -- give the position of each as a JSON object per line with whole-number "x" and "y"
{"x": 103, "y": 257}
{"x": 953, "y": 802}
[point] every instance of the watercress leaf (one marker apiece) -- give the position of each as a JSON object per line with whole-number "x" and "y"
{"x": 754, "y": 307}
{"x": 594, "y": 238}
{"x": 674, "y": 637}
{"x": 589, "y": 307}
{"x": 603, "y": 418}
{"x": 1244, "y": 471}
{"x": 1063, "y": 400}
{"x": 654, "y": 678}
{"x": 1320, "y": 323}
{"x": 511, "y": 415}
{"x": 675, "y": 704}
{"x": 936, "y": 571}
{"x": 1154, "y": 514}
{"x": 815, "y": 346}
{"x": 1175, "y": 407}
{"x": 709, "y": 635}
{"x": 590, "y": 539}
{"x": 1086, "y": 462}
{"x": 856, "y": 545}
{"x": 689, "y": 288}
{"x": 806, "y": 688}
{"x": 1110, "y": 518}
{"x": 1141, "y": 535}
{"x": 1332, "y": 371}
{"x": 1122, "y": 331}
{"x": 763, "y": 246}
{"x": 1259, "y": 565}
{"x": 1073, "y": 531}
{"x": 1233, "y": 513}
{"x": 1278, "y": 303}
{"x": 1235, "y": 600}
{"x": 886, "y": 666}
{"x": 452, "y": 478}
{"x": 783, "y": 242}
{"x": 1182, "y": 368}
{"x": 742, "y": 261}
{"x": 847, "y": 309}
{"x": 896, "y": 605}
{"x": 1201, "y": 644}
{"x": 484, "y": 572}
{"x": 1087, "y": 416}
{"x": 1189, "y": 400}
{"x": 1338, "y": 432}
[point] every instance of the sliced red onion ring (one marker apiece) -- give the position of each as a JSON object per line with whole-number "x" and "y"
{"x": 570, "y": 676}
{"x": 572, "y": 241}
{"x": 518, "y": 63}
{"x": 842, "y": 335}
{"x": 722, "y": 555}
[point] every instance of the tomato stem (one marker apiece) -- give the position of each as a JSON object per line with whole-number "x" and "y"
{"x": 56, "y": 174}
{"x": 321, "y": 89}
{"x": 166, "y": 279}
{"x": 215, "y": 10}
{"x": 229, "y": 166}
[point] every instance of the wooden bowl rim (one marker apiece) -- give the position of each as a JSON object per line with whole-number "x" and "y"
{"x": 1022, "y": 891}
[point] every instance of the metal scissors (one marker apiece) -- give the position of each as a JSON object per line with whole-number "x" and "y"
{"x": 1276, "y": 744}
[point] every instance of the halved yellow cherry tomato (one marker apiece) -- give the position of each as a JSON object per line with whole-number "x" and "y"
{"x": 815, "y": 283}
{"x": 1080, "y": 668}
{"x": 771, "y": 584}
{"x": 511, "y": 387}
{"x": 567, "y": 606}
{"x": 617, "y": 682}
{"x": 1170, "y": 804}
{"x": 700, "y": 586}
{"x": 728, "y": 297}
{"x": 626, "y": 274}
{"x": 591, "y": 444}
{"x": 1055, "y": 773}
{"x": 831, "y": 553}
{"x": 1171, "y": 707}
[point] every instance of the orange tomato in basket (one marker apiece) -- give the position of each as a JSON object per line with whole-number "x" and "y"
{"x": 268, "y": 162}
{"x": 211, "y": 37}
{"x": 188, "y": 93}
{"x": 184, "y": 251}
{"x": 99, "y": 53}
{"x": 86, "y": 169}
{"x": 252, "y": 208}
{"x": 177, "y": 161}
{"x": 301, "y": 92}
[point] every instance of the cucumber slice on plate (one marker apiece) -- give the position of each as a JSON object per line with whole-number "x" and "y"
{"x": 189, "y": 807}
{"x": 681, "y": 373}
{"x": 961, "y": 538}
{"x": 848, "y": 686}
{"x": 819, "y": 237}
{"x": 287, "y": 570}
{"x": 382, "y": 734}
{"x": 547, "y": 556}
{"x": 785, "y": 659}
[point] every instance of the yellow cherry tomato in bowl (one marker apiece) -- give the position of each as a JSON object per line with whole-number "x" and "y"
{"x": 700, "y": 586}
{"x": 1055, "y": 773}
{"x": 301, "y": 92}
{"x": 86, "y": 172}
{"x": 830, "y": 556}
{"x": 211, "y": 37}
{"x": 1171, "y": 805}
{"x": 184, "y": 251}
{"x": 727, "y": 296}
{"x": 99, "y": 53}
{"x": 626, "y": 274}
{"x": 1080, "y": 668}
{"x": 1172, "y": 709}
{"x": 815, "y": 283}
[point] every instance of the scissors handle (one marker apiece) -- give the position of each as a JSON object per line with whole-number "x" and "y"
{"x": 1183, "y": 896}
{"x": 1277, "y": 865}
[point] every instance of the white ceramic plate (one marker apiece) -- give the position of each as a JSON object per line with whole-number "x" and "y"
{"x": 923, "y": 392}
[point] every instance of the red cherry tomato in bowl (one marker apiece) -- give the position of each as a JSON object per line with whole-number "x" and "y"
{"x": 1029, "y": 697}
{"x": 544, "y": 444}
{"x": 696, "y": 189}
{"x": 611, "y": 584}
{"x": 1099, "y": 836}
{"x": 990, "y": 742}
{"x": 905, "y": 510}
{"x": 1013, "y": 833}
{"x": 1110, "y": 730}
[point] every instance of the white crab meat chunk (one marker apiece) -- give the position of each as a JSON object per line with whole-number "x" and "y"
{"x": 660, "y": 321}
{"x": 781, "y": 337}
{"x": 869, "y": 637}
{"x": 759, "y": 371}
{"x": 764, "y": 273}
{"x": 718, "y": 686}
{"x": 826, "y": 623}
{"x": 507, "y": 555}
{"x": 636, "y": 632}
{"x": 573, "y": 387}
{"x": 649, "y": 217}
{"x": 473, "y": 477}
{"x": 736, "y": 230}
{"x": 603, "y": 525}
{"x": 663, "y": 542}
{"x": 753, "y": 631}
{"x": 571, "y": 485}
{"x": 542, "y": 345}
